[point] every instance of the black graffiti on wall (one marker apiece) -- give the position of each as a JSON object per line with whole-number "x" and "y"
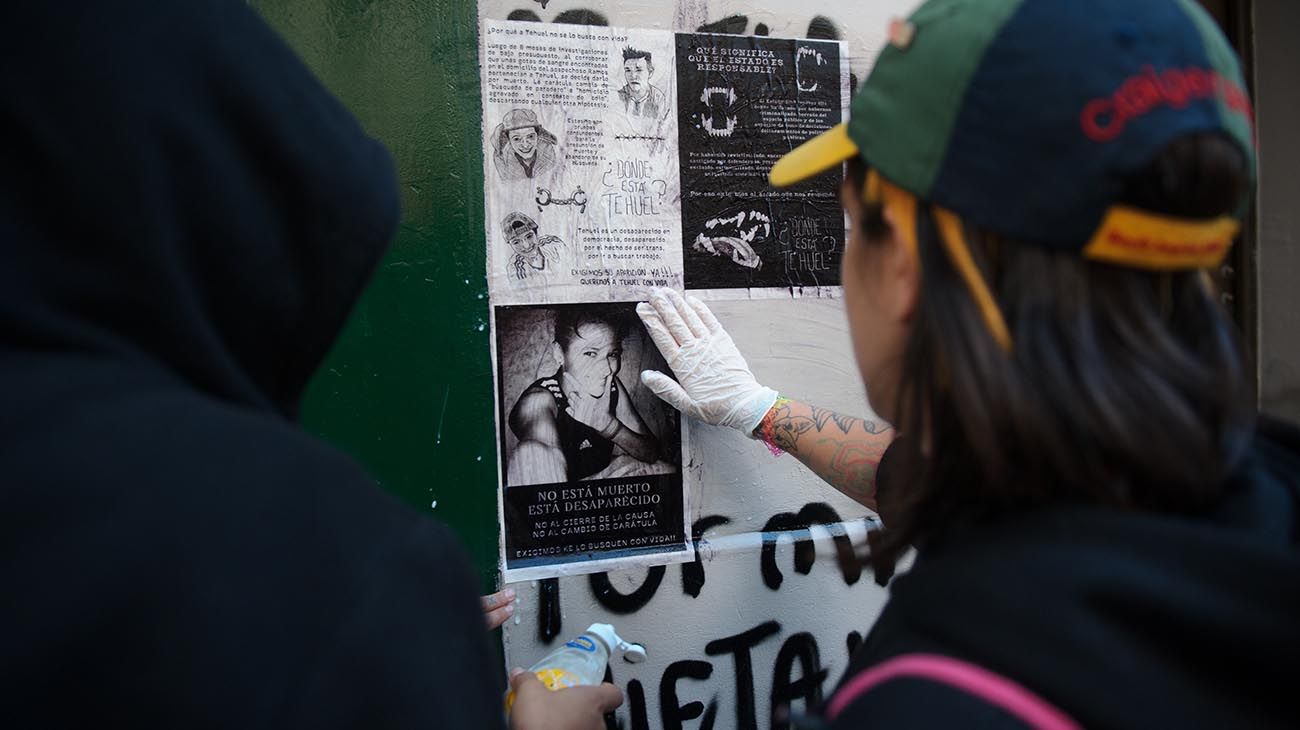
{"x": 624, "y": 603}
{"x": 549, "y": 620}
{"x": 820, "y": 27}
{"x": 571, "y": 17}
{"x": 795, "y": 527}
{"x": 797, "y": 675}
{"x": 693, "y": 573}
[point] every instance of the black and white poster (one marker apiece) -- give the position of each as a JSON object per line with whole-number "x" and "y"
{"x": 590, "y": 459}
{"x": 581, "y": 188}
{"x": 614, "y": 161}
{"x": 743, "y": 103}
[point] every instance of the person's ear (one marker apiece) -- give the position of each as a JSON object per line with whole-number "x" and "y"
{"x": 557, "y": 352}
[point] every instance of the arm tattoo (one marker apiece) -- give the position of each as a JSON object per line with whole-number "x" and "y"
{"x": 786, "y": 428}
{"x": 853, "y": 466}
{"x": 821, "y": 416}
{"x": 782, "y": 426}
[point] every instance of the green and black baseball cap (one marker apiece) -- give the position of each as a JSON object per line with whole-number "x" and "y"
{"x": 1024, "y": 117}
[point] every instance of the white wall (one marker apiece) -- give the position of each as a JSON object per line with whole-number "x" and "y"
{"x": 797, "y": 627}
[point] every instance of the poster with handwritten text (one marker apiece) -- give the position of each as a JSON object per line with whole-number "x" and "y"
{"x": 583, "y": 193}
{"x": 745, "y": 102}
{"x": 617, "y": 160}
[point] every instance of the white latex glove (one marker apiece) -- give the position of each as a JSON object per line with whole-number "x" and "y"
{"x": 714, "y": 383}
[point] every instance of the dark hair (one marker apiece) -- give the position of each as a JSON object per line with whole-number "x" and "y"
{"x": 1124, "y": 388}
{"x": 630, "y": 53}
{"x": 568, "y": 320}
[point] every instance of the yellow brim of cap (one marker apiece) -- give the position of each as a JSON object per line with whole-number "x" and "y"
{"x": 813, "y": 157}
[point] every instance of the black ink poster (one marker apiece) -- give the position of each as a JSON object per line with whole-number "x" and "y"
{"x": 591, "y": 459}
{"x": 743, "y": 102}
{"x": 616, "y": 160}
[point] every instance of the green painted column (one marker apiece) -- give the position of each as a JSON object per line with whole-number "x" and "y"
{"x": 408, "y": 389}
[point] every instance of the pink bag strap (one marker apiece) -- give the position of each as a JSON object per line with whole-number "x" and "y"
{"x": 993, "y": 688}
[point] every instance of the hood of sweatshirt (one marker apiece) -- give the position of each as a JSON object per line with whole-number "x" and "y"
{"x": 186, "y": 218}
{"x": 179, "y": 196}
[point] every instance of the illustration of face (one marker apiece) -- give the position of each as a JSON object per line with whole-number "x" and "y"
{"x": 591, "y": 360}
{"x": 524, "y": 141}
{"x": 637, "y": 73}
{"x": 524, "y": 242}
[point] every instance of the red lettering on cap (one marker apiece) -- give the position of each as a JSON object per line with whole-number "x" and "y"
{"x": 1174, "y": 88}
{"x": 1100, "y": 120}
{"x": 1104, "y": 119}
{"x": 1144, "y": 243}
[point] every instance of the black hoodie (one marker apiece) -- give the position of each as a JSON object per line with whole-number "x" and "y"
{"x": 186, "y": 217}
{"x": 1119, "y": 619}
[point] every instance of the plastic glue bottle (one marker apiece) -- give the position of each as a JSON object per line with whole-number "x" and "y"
{"x": 581, "y": 661}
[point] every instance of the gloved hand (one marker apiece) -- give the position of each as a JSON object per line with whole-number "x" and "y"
{"x": 714, "y": 383}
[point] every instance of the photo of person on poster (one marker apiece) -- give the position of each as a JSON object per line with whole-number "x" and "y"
{"x": 579, "y": 421}
{"x": 522, "y": 149}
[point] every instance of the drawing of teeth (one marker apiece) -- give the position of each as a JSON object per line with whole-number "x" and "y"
{"x": 731, "y": 237}
{"x": 739, "y": 251}
{"x": 712, "y": 95}
{"x": 712, "y": 131}
{"x": 738, "y": 220}
{"x": 802, "y": 55}
{"x": 707, "y": 97}
{"x": 752, "y": 232}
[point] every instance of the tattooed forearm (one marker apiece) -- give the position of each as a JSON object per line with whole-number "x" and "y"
{"x": 823, "y": 416}
{"x": 843, "y": 450}
{"x": 784, "y": 427}
{"x": 853, "y": 465}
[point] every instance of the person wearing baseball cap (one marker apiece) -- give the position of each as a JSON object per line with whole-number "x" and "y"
{"x": 1104, "y": 527}
{"x": 522, "y": 148}
{"x": 531, "y": 254}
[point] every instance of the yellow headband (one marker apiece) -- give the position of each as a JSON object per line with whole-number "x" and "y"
{"x": 903, "y": 208}
{"x": 1126, "y": 237}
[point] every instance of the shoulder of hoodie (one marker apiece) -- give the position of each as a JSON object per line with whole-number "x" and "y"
{"x": 186, "y": 477}
{"x": 214, "y": 539}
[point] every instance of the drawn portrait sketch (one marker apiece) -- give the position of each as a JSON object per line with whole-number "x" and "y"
{"x": 644, "y": 103}
{"x": 522, "y": 149}
{"x": 531, "y": 255}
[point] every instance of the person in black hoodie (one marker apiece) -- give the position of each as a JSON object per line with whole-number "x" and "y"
{"x": 1105, "y": 531}
{"x": 186, "y": 218}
